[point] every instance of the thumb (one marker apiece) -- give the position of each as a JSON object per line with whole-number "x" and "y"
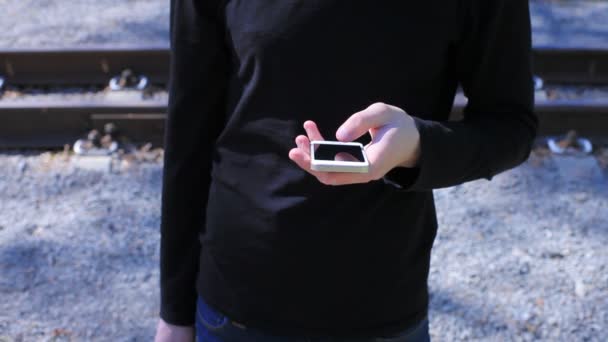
{"x": 356, "y": 125}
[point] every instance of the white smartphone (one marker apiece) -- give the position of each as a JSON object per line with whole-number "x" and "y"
{"x": 337, "y": 156}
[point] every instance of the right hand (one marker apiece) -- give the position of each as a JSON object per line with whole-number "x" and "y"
{"x": 166, "y": 332}
{"x": 395, "y": 143}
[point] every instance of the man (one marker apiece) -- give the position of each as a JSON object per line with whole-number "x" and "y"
{"x": 256, "y": 246}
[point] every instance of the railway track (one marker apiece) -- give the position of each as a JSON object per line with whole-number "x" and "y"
{"x": 97, "y": 65}
{"x": 29, "y": 124}
{"x": 51, "y": 125}
{"x": 571, "y": 66}
{"x": 91, "y": 66}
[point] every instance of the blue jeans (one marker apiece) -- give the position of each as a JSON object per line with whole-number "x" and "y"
{"x": 212, "y": 326}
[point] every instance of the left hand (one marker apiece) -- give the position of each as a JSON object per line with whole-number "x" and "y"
{"x": 395, "y": 143}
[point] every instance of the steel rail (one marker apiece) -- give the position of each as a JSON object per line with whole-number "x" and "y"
{"x": 556, "y": 117}
{"x": 85, "y": 66}
{"x": 571, "y": 66}
{"x": 96, "y": 65}
{"x": 51, "y": 125}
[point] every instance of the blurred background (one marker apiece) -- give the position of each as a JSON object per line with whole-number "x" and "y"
{"x": 522, "y": 257}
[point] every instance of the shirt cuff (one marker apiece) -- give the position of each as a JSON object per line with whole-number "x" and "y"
{"x": 176, "y": 317}
{"x": 408, "y": 178}
{"x": 402, "y": 177}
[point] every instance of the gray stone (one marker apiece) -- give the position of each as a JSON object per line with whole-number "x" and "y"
{"x": 92, "y": 163}
{"x": 573, "y": 168}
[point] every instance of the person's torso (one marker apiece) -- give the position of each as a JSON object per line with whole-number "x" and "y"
{"x": 273, "y": 231}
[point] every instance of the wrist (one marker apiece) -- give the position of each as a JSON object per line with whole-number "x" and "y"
{"x": 413, "y": 158}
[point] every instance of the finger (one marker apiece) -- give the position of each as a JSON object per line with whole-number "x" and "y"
{"x": 345, "y": 178}
{"x": 344, "y": 156}
{"x": 302, "y": 159}
{"x": 312, "y": 130}
{"x": 356, "y": 125}
{"x": 303, "y": 143}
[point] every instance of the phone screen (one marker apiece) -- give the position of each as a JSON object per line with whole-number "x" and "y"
{"x": 338, "y": 153}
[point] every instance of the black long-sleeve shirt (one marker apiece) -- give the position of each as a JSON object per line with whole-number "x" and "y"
{"x": 266, "y": 243}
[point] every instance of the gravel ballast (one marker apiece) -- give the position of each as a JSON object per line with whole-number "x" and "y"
{"x": 61, "y": 24}
{"x": 520, "y": 257}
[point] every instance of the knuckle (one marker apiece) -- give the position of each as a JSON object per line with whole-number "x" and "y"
{"x": 379, "y": 107}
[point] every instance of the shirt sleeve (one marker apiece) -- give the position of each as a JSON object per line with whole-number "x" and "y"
{"x": 194, "y": 119}
{"x": 499, "y": 125}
